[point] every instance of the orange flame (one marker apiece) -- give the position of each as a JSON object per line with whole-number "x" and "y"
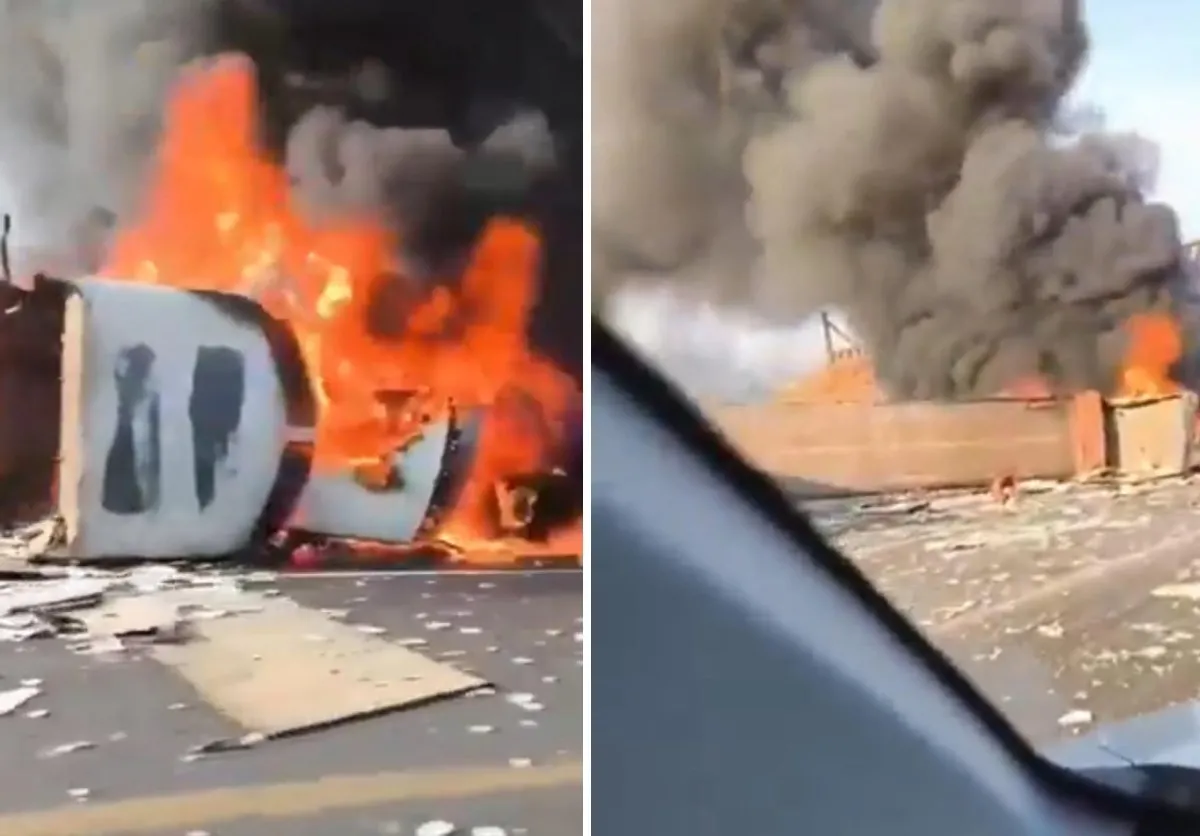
{"x": 218, "y": 217}
{"x": 1155, "y": 346}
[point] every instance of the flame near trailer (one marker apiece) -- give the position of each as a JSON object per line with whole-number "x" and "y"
{"x": 185, "y": 427}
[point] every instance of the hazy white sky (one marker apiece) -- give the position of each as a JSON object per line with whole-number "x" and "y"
{"x": 1142, "y": 73}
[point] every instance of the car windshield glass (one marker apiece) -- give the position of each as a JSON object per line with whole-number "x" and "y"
{"x": 924, "y": 263}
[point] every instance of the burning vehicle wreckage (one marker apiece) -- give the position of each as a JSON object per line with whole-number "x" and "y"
{"x": 173, "y": 423}
{"x": 232, "y": 374}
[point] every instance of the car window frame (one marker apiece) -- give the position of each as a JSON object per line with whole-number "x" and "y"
{"x": 660, "y": 400}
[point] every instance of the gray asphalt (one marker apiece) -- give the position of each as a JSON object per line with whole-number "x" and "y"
{"x": 1074, "y": 606}
{"x": 527, "y": 641}
{"x": 1076, "y": 601}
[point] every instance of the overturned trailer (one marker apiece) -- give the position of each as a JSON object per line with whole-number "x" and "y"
{"x": 164, "y": 423}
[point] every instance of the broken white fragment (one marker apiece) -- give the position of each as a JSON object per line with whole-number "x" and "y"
{"x": 1077, "y": 717}
{"x": 13, "y": 699}
{"x": 370, "y": 629}
{"x": 154, "y": 577}
{"x": 50, "y": 596}
{"x": 207, "y": 613}
{"x": 488, "y": 830}
{"x": 38, "y": 713}
{"x": 79, "y": 793}
{"x": 437, "y": 625}
{"x": 436, "y": 827}
{"x": 520, "y": 763}
{"x": 19, "y": 627}
{"x": 251, "y": 739}
{"x": 1053, "y": 630}
{"x": 1190, "y": 591}
{"x": 528, "y": 702}
{"x": 481, "y": 729}
{"x": 412, "y": 642}
{"x": 522, "y": 660}
{"x": 470, "y": 631}
{"x": 68, "y": 748}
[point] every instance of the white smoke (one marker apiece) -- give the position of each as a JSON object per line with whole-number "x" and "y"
{"x": 715, "y": 354}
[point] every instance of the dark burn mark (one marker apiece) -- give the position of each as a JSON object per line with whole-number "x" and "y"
{"x": 215, "y": 410}
{"x": 133, "y": 469}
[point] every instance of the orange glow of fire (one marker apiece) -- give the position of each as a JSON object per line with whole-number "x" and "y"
{"x": 218, "y": 217}
{"x": 1155, "y": 345}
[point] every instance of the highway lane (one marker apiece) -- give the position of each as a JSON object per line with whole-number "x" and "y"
{"x": 381, "y": 775}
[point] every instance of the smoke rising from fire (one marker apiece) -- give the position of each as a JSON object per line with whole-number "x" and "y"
{"x": 904, "y": 164}
{"x": 436, "y": 194}
{"x": 430, "y": 118}
{"x": 80, "y": 109}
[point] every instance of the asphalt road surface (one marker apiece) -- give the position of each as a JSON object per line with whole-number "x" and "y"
{"x": 1072, "y": 606}
{"x": 385, "y": 775}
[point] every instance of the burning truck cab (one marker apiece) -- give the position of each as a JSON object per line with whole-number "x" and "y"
{"x": 162, "y": 423}
{"x": 313, "y": 283}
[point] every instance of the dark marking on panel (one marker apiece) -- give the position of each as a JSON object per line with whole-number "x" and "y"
{"x": 296, "y": 464}
{"x": 215, "y": 410}
{"x": 133, "y": 469}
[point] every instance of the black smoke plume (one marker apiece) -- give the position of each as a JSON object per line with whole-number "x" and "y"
{"x": 901, "y": 161}
{"x": 437, "y": 115}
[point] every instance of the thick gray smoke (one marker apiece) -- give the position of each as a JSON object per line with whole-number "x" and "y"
{"x": 81, "y": 93}
{"x": 787, "y": 155}
{"x": 83, "y": 89}
{"x": 416, "y": 177}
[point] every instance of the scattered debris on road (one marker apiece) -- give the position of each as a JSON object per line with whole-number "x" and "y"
{"x": 14, "y": 698}
{"x": 68, "y": 748}
{"x": 111, "y": 609}
{"x": 436, "y": 827}
{"x": 240, "y": 645}
{"x": 1076, "y": 717}
{"x": 1070, "y": 605}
